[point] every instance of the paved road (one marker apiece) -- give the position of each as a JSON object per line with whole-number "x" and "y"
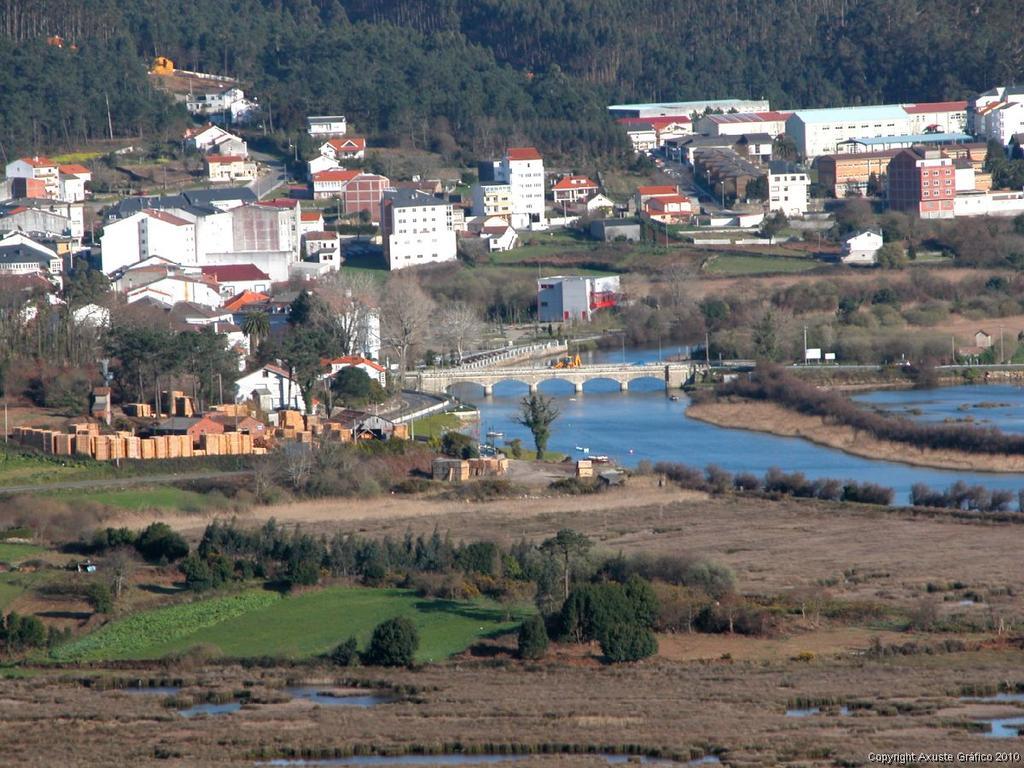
{"x": 115, "y": 482}
{"x": 273, "y": 176}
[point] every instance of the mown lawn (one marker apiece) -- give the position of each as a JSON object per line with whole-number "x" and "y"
{"x": 732, "y": 264}
{"x": 12, "y": 585}
{"x": 296, "y": 627}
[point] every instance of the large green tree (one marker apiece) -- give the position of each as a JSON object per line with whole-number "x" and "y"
{"x": 537, "y": 413}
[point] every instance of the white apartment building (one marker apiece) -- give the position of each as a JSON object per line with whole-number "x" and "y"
{"x": 522, "y": 169}
{"x": 787, "y": 189}
{"x": 938, "y": 117}
{"x": 994, "y": 113}
{"x": 416, "y": 229}
{"x": 820, "y": 131}
{"x": 229, "y": 168}
{"x": 491, "y": 199}
{"x": 145, "y": 234}
{"x": 21, "y": 255}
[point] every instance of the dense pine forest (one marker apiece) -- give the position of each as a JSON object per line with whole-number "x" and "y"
{"x": 472, "y": 75}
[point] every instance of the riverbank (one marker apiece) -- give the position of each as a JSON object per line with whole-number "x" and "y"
{"x": 761, "y": 416}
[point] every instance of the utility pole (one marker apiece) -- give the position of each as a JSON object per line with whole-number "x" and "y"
{"x": 110, "y": 123}
{"x": 1002, "y": 356}
{"x": 805, "y": 343}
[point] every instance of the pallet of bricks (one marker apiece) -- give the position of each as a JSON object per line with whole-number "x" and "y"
{"x": 228, "y": 444}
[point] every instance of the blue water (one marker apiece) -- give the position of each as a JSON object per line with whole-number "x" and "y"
{"x": 211, "y": 709}
{"x": 645, "y": 424}
{"x": 318, "y": 696}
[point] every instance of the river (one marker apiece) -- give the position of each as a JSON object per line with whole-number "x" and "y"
{"x": 645, "y": 424}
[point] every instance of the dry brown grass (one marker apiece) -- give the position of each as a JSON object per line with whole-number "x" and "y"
{"x": 735, "y": 707}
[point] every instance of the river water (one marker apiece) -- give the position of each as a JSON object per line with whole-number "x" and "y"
{"x": 645, "y": 424}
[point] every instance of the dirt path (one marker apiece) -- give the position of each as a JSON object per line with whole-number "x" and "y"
{"x": 776, "y": 420}
{"x": 398, "y": 509}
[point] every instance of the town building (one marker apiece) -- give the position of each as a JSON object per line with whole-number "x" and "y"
{"x": 787, "y": 188}
{"x": 228, "y": 104}
{"x": 937, "y": 117}
{"x": 212, "y": 138}
{"x": 739, "y": 123}
{"x": 862, "y": 248}
{"x": 321, "y": 163}
{"x": 174, "y": 288}
{"x": 326, "y": 125}
{"x": 341, "y": 149}
{"x": 641, "y": 134}
{"x": 73, "y": 178}
{"x": 663, "y": 108}
{"x": 522, "y": 169}
{"x": 331, "y": 183}
{"x": 48, "y": 218}
{"x": 271, "y": 388}
{"x": 646, "y": 192}
{"x": 492, "y": 199}
{"x": 416, "y": 229}
{"x": 21, "y": 255}
{"x": 669, "y": 209}
{"x": 222, "y": 169}
{"x": 600, "y": 204}
{"x": 570, "y": 298}
{"x": 499, "y": 234}
{"x": 573, "y": 189}
{"x": 997, "y": 113}
{"x": 989, "y": 203}
{"x": 234, "y": 279}
{"x": 821, "y": 131}
{"x": 611, "y": 230}
{"x": 364, "y": 193}
{"x": 323, "y": 248}
{"x": 193, "y": 426}
{"x": 881, "y": 143}
{"x": 849, "y": 174}
{"x": 756, "y": 147}
{"x": 922, "y": 181}
{"x": 41, "y": 175}
{"x": 724, "y": 171}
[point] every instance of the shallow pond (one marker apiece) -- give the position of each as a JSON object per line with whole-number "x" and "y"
{"x": 328, "y": 699}
{"x": 210, "y": 709}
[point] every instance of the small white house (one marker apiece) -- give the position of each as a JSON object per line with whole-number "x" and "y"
{"x": 228, "y": 168}
{"x": 271, "y": 387}
{"x": 600, "y": 203}
{"x": 323, "y": 248}
{"x": 862, "y": 248}
{"x": 352, "y": 148}
{"x": 500, "y": 236}
{"x": 326, "y": 125}
{"x": 321, "y": 163}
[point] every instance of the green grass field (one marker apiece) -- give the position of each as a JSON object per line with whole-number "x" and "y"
{"x": 436, "y": 425}
{"x": 28, "y": 469}
{"x": 12, "y": 585}
{"x": 16, "y": 553}
{"x": 156, "y": 497}
{"x": 259, "y": 623}
{"x": 732, "y": 264}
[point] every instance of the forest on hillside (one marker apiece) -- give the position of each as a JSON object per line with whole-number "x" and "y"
{"x": 473, "y": 75}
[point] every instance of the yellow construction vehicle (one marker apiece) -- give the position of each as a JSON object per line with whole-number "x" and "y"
{"x": 568, "y": 361}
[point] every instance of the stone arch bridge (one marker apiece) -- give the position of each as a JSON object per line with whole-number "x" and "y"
{"x": 440, "y": 381}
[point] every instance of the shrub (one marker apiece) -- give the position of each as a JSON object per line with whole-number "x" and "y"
{"x": 346, "y": 654}
{"x": 100, "y": 598}
{"x": 21, "y": 633}
{"x": 459, "y": 446}
{"x": 533, "y": 638}
{"x": 628, "y": 642}
{"x": 394, "y": 643}
{"x": 158, "y": 542}
{"x": 745, "y": 481}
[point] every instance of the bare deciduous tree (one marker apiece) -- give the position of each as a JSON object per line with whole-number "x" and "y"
{"x": 407, "y": 314}
{"x": 121, "y": 564}
{"x": 352, "y": 300}
{"x": 460, "y": 327}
